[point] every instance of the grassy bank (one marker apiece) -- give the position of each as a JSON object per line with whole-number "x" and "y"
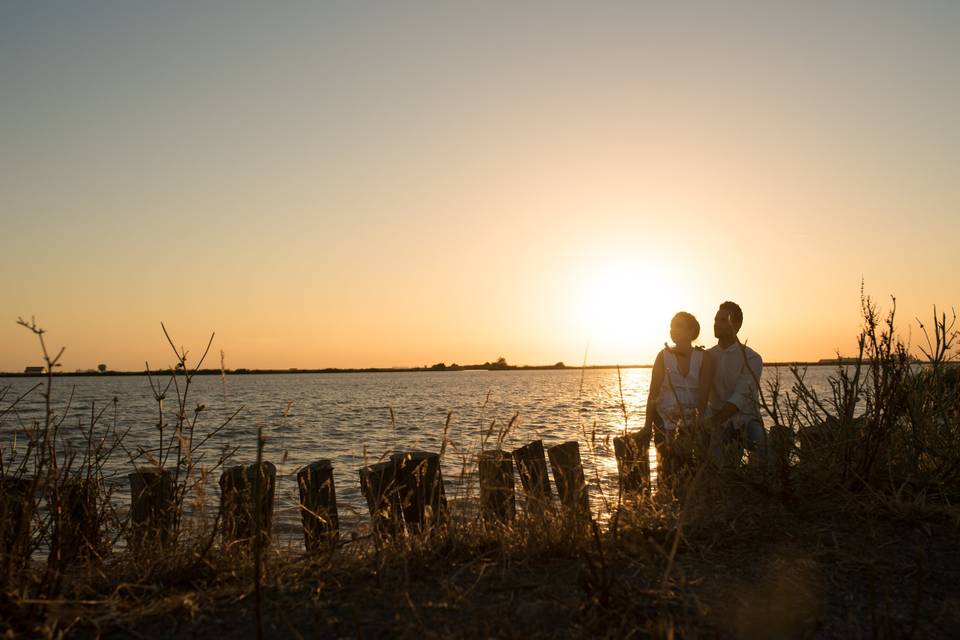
{"x": 734, "y": 562}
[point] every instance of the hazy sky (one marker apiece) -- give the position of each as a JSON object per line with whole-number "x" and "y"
{"x": 399, "y": 183}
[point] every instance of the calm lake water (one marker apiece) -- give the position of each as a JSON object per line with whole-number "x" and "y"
{"x": 346, "y": 418}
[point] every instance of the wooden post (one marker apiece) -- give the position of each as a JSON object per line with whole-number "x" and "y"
{"x": 80, "y": 520}
{"x": 318, "y": 505}
{"x": 152, "y": 507}
{"x": 238, "y": 503}
{"x": 568, "y": 476}
{"x": 497, "y": 501}
{"x": 532, "y": 467}
{"x": 234, "y": 522}
{"x": 420, "y": 485}
{"x": 633, "y": 462}
{"x": 268, "y": 488}
{"x": 16, "y": 511}
{"x": 378, "y": 485}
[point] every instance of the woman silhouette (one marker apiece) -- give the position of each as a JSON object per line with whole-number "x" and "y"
{"x": 679, "y": 389}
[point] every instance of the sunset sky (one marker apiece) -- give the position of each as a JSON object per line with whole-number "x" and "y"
{"x": 398, "y": 183}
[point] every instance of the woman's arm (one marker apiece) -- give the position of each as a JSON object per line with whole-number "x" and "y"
{"x": 705, "y": 383}
{"x": 656, "y": 380}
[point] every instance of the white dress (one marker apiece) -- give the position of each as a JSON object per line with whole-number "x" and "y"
{"x": 679, "y": 393}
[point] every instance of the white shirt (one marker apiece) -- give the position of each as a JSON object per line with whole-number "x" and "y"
{"x": 736, "y": 382}
{"x": 678, "y": 392}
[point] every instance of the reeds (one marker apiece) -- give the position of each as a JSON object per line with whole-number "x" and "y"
{"x": 889, "y": 424}
{"x": 55, "y": 498}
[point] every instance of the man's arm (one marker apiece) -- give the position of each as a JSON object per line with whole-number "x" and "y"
{"x": 725, "y": 413}
{"x": 746, "y": 391}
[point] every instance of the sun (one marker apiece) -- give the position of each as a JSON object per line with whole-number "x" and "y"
{"x": 625, "y": 309}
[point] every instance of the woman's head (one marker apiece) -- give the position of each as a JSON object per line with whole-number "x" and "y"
{"x": 684, "y": 328}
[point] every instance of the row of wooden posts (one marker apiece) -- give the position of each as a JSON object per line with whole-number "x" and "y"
{"x": 403, "y": 493}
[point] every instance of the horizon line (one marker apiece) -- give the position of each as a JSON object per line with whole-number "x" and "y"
{"x": 398, "y": 369}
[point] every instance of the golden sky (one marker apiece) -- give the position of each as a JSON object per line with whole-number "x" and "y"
{"x": 398, "y": 184}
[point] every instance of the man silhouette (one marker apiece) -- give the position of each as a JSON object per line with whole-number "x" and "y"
{"x": 733, "y": 411}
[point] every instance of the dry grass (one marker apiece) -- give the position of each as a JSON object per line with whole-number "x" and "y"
{"x": 726, "y": 560}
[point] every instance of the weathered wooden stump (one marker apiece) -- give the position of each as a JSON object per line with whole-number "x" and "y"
{"x": 318, "y": 505}
{"x": 152, "y": 507}
{"x": 80, "y": 519}
{"x": 633, "y": 462}
{"x": 16, "y": 511}
{"x": 245, "y": 491}
{"x": 379, "y": 486}
{"x": 532, "y": 467}
{"x": 420, "y": 485}
{"x": 568, "y": 476}
{"x": 497, "y": 501}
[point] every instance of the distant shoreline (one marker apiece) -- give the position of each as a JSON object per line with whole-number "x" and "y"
{"x": 433, "y": 369}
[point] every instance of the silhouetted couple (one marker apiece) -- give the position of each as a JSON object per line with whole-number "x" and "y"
{"x": 705, "y": 403}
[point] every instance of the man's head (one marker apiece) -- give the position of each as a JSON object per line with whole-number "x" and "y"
{"x": 728, "y": 321}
